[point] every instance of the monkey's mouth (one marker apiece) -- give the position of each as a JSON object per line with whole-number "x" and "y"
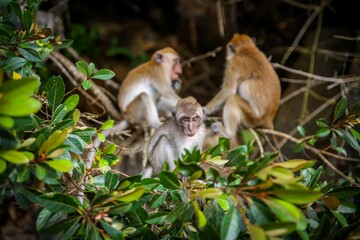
{"x": 190, "y": 134}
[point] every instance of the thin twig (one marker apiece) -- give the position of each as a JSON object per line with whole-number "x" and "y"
{"x": 202, "y": 56}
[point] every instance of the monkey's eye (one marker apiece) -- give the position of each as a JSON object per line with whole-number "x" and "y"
{"x": 185, "y": 119}
{"x": 195, "y": 119}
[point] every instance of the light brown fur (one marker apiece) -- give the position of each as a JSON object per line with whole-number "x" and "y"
{"x": 147, "y": 90}
{"x": 250, "y": 94}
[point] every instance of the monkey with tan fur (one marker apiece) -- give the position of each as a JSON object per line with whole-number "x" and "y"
{"x": 185, "y": 130}
{"x": 150, "y": 89}
{"x": 250, "y": 93}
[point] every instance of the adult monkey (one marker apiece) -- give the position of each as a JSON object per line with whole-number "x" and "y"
{"x": 150, "y": 88}
{"x": 147, "y": 91}
{"x": 250, "y": 94}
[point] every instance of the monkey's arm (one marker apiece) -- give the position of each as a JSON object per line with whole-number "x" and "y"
{"x": 218, "y": 101}
{"x": 160, "y": 150}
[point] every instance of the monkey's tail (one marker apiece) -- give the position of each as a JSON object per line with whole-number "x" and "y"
{"x": 89, "y": 159}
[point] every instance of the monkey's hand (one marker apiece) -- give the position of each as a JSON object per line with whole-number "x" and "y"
{"x": 216, "y": 127}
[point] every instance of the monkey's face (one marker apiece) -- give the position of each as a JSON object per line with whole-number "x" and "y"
{"x": 191, "y": 124}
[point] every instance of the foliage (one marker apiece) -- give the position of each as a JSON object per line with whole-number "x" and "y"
{"x": 237, "y": 197}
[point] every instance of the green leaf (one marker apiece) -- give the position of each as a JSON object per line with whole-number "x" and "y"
{"x": 82, "y": 67}
{"x": 71, "y": 102}
{"x": 130, "y": 195}
{"x": 104, "y": 74}
{"x": 169, "y": 180}
{"x": 113, "y": 232}
{"x": 238, "y": 156}
{"x": 40, "y": 172}
{"x": 15, "y": 157}
{"x": 23, "y": 175}
{"x": 54, "y": 141}
{"x": 59, "y": 114}
{"x": 27, "y": 19}
{"x": 340, "y": 218}
{"x": 157, "y": 200}
{"x": 58, "y": 202}
{"x": 301, "y": 131}
{"x": 299, "y": 196}
{"x": 322, "y": 132}
{"x": 2, "y": 167}
{"x": 211, "y": 193}
{"x": 157, "y": 217}
{"x": 256, "y": 232}
{"x": 91, "y": 69}
{"x": 355, "y": 133}
{"x": 348, "y": 138}
{"x": 321, "y": 122}
{"x": 55, "y": 90}
{"x": 8, "y": 141}
{"x": 107, "y": 124}
{"x": 62, "y": 225}
{"x": 231, "y": 224}
{"x": 340, "y": 108}
{"x": 287, "y": 212}
{"x": 13, "y": 64}
{"x": 315, "y": 178}
{"x": 19, "y": 106}
{"x": 76, "y": 143}
{"x": 86, "y": 84}
{"x": 6, "y": 122}
{"x": 296, "y": 164}
{"x": 344, "y": 192}
{"x": 30, "y": 54}
{"x": 15, "y": 7}
{"x": 279, "y": 229}
{"x": 61, "y": 165}
{"x": 111, "y": 180}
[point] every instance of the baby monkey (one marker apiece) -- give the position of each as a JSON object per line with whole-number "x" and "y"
{"x": 185, "y": 130}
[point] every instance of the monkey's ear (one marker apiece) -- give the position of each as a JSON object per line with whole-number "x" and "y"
{"x": 232, "y": 48}
{"x": 204, "y": 112}
{"x": 158, "y": 57}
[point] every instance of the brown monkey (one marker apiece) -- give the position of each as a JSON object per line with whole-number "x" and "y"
{"x": 150, "y": 88}
{"x": 250, "y": 93}
{"x": 185, "y": 130}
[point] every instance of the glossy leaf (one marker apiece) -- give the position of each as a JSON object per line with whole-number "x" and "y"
{"x": 19, "y": 106}
{"x": 157, "y": 217}
{"x": 200, "y": 217}
{"x": 61, "y": 225}
{"x": 58, "y": 202}
{"x": 113, "y": 232}
{"x": 107, "y": 124}
{"x": 279, "y": 228}
{"x": 287, "y": 212}
{"x": 169, "y": 180}
{"x": 71, "y": 102}
{"x": 2, "y": 166}
{"x": 130, "y": 195}
{"x": 111, "y": 180}
{"x": 77, "y": 144}
{"x": 349, "y": 139}
{"x": 231, "y": 224}
{"x": 211, "y": 193}
{"x": 27, "y": 19}
{"x": 61, "y": 165}
{"x": 82, "y": 67}
{"x": 344, "y": 192}
{"x": 301, "y": 131}
{"x": 15, "y": 157}
{"x": 104, "y": 74}
{"x": 157, "y": 200}
{"x": 54, "y": 141}
{"x": 55, "y": 90}
{"x": 296, "y": 164}
{"x": 40, "y": 172}
{"x": 256, "y": 232}
{"x": 340, "y": 108}
{"x": 322, "y": 132}
{"x": 30, "y": 54}
{"x": 86, "y": 84}
{"x": 298, "y": 196}
{"x": 13, "y": 64}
